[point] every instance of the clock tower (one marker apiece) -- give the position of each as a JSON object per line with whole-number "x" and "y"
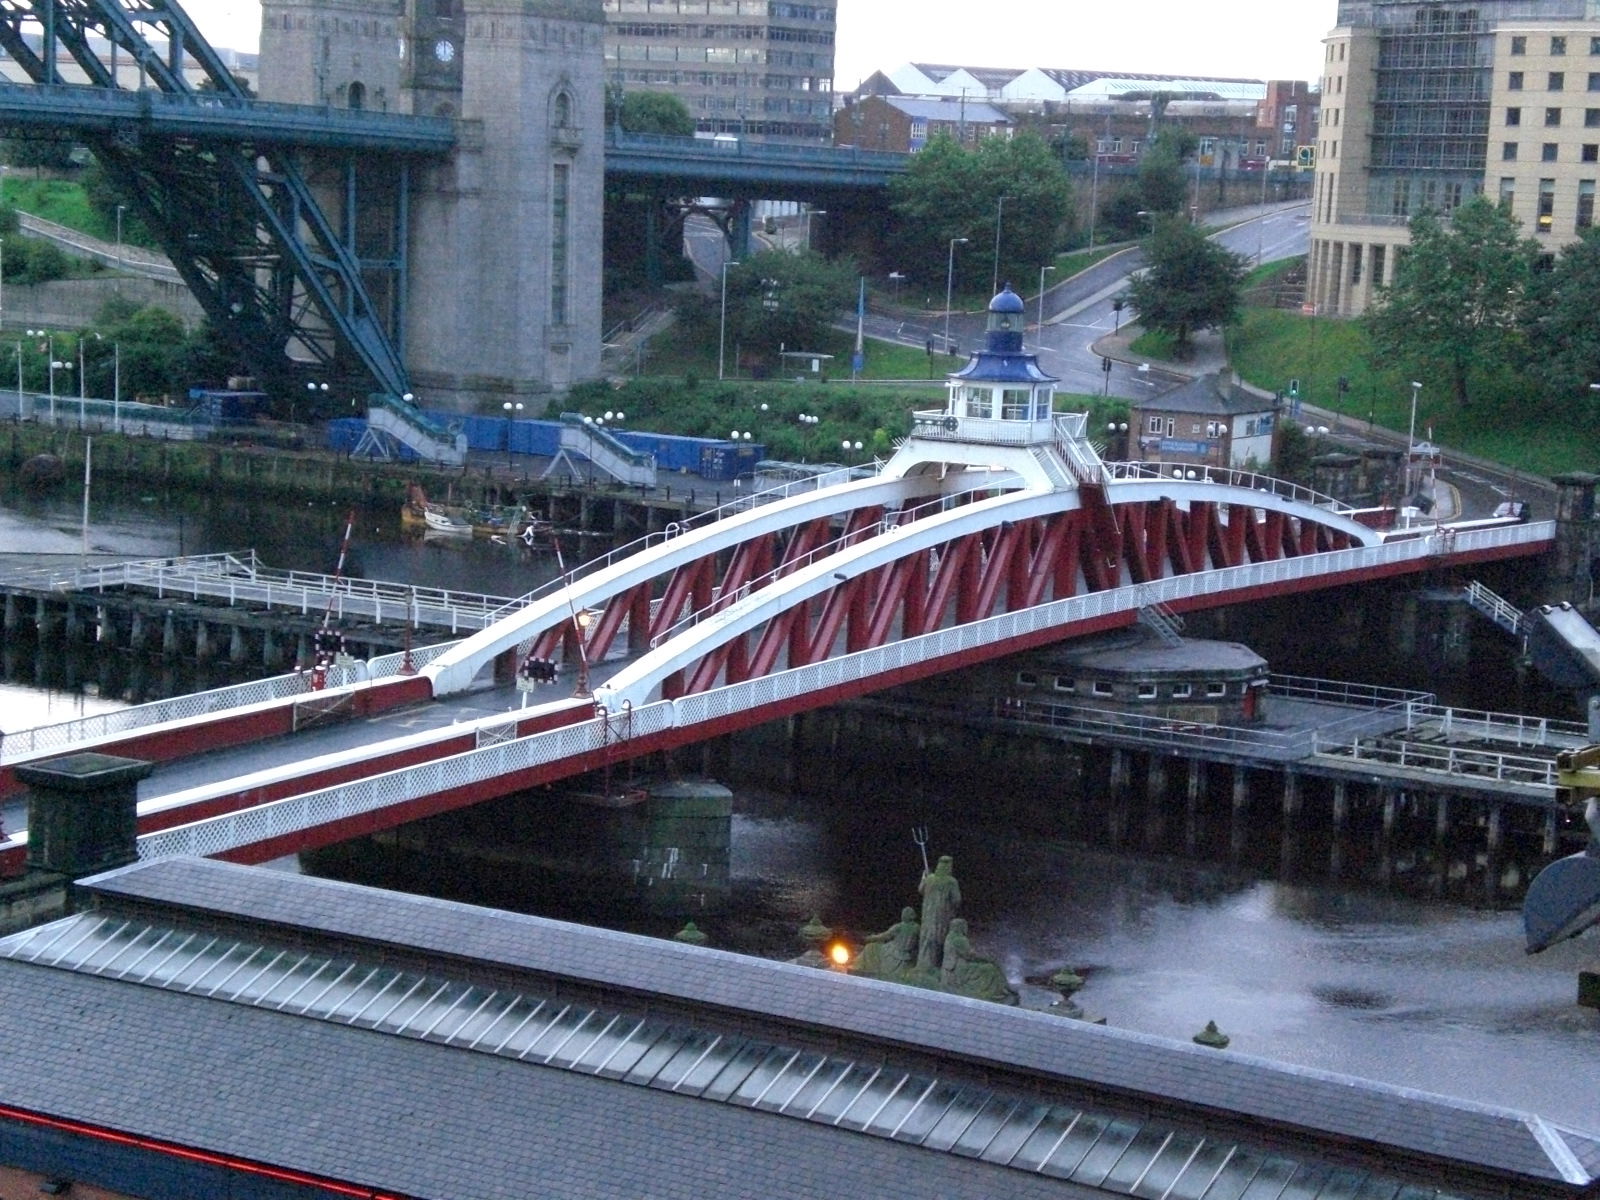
{"x": 434, "y": 52}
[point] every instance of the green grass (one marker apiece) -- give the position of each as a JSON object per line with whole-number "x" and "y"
{"x": 57, "y": 200}
{"x": 1507, "y": 422}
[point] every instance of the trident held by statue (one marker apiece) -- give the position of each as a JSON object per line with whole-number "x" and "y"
{"x": 919, "y": 835}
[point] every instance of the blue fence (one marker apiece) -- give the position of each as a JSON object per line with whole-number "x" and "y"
{"x": 713, "y": 458}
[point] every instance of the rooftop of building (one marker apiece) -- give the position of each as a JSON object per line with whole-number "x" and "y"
{"x": 432, "y": 1048}
{"x": 1217, "y": 394}
{"x": 1141, "y": 654}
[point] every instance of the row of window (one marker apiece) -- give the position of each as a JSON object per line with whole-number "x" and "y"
{"x": 1555, "y": 81}
{"x": 1104, "y": 687}
{"x": 726, "y": 8}
{"x": 1558, "y": 45}
{"x": 1551, "y": 152}
{"x": 719, "y": 33}
{"x": 1545, "y": 213}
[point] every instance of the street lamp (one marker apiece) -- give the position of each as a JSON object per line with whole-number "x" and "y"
{"x": 580, "y": 620}
{"x": 812, "y": 212}
{"x": 722, "y": 328}
{"x": 897, "y": 278}
{"x": 1042, "y": 271}
{"x": 1411, "y": 433}
{"x": 949, "y": 279}
{"x": 1094, "y": 195}
{"x": 999, "y": 217}
{"x": 510, "y": 409}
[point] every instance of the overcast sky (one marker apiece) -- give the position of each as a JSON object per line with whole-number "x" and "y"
{"x": 1256, "y": 39}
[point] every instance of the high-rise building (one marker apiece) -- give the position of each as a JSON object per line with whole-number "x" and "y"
{"x": 1426, "y": 104}
{"x": 754, "y": 68}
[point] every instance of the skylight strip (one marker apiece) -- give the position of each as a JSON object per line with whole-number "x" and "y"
{"x": 537, "y": 1009}
{"x": 299, "y": 987}
{"x": 421, "y": 979}
{"x": 511, "y": 1004}
{"x": 148, "y": 951}
{"x": 333, "y": 983}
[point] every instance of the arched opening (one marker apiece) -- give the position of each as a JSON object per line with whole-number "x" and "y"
{"x": 358, "y": 95}
{"x": 562, "y": 110}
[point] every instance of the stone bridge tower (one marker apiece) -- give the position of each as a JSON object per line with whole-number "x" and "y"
{"x": 502, "y": 250}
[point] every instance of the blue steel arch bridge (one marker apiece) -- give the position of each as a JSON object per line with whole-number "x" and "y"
{"x": 237, "y": 190}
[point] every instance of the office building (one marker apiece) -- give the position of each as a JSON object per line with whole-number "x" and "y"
{"x": 1426, "y": 105}
{"x": 761, "y": 69}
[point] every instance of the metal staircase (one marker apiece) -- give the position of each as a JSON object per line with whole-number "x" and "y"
{"x": 598, "y": 446}
{"x": 1498, "y": 610}
{"x": 1163, "y": 622}
{"x": 392, "y": 423}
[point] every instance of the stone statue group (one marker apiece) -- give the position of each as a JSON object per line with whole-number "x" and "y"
{"x": 934, "y": 951}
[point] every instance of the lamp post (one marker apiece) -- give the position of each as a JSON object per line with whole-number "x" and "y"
{"x": 812, "y": 212}
{"x": 116, "y": 387}
{"x": 511, "y": 411}
{"x": 1411, "y": 432}
{"x": 1042, "y": 271}
{"x": 1094, "y": 195}
{"x": 897, "y": 278}
{"x": 580, "y": 620}
{"x": 1261, "y": 221}
{"x": 999, "y": 218}
{"x": 949, "y": 280}
{"x": 722, "y": 327}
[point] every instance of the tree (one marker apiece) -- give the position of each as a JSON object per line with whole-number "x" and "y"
{"x": 1191, "y": 283}
{"x": 650, "y": 112}
{"x": 954, "y": 192}
{"x": 1562, "y": 336}
{"x": 1452, "y": 308}
{"x": 1162, "y": 188}
{"x": 779, "y": 299}
{"x": 41, "y": 151}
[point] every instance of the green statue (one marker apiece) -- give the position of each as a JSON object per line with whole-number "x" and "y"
{"x": 968, "y": 973}
{"x": 941, "y": 897}
{"x": 892, "y": 952}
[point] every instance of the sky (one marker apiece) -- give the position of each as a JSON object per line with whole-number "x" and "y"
{"x": 1253, "y": 39}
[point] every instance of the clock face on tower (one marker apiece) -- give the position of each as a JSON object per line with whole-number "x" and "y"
{"x": 444, "y": 50}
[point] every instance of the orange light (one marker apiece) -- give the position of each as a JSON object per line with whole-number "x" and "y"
{"x": 840, "y": 954}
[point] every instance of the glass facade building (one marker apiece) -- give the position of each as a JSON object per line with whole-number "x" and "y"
{"x": 750, "y": 68}
{"x": 1426, "y": 105}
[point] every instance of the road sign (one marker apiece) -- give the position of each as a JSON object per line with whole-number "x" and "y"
{"x": 1309, "y": 310}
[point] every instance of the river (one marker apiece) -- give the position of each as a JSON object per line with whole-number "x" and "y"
{"x": 1327, "y": 974}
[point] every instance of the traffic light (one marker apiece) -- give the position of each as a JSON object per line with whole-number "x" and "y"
{"x": 1105, "y": 365}
{"x": 1294, "y": 389}
{"x": 1305, "y": 157}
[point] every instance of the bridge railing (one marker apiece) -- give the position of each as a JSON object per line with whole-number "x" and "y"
{"x": 1337, "y": 691}
{"x": 71, "y": 735}
{"x": 100, "y": 106}
{"x": 1516, "y": 728}
{"x": 1486, "y": 764}
{"x": 945, "y": 643}
{"x": 744, "y": 148}
{"x": 240, "y": 578}
{"x": 1233, "y": 477}
{"x": 290, "y": 816}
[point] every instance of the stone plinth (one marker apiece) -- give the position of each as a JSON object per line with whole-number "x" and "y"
{"x": 82, "y": 815}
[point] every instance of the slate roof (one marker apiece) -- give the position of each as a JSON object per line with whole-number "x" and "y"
{"x": 437, "y": 1121}
{"x": 1209, "y": 395}
{"x": 975, "y": 111}
{"x": 987, "y": 367}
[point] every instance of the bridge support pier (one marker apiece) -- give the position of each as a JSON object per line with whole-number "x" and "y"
{"x": 1156, "y": 779}
{"x": 236, "y": 644}
{"x": 1551, "y": 833}
{"x": 44, "y": 620}
{"x": 1341, "y": 805}
{"x": 1117, "y": 780}
{"x": 13, "y": 617}
{"x": 1291, "y": 797}
{"x": 271, "y": 651}
{"x": 169, "y": 636}
{"x": 1441, "y": 819}
{"x": 203, "y": 649}
{"x": 74, "y": 624}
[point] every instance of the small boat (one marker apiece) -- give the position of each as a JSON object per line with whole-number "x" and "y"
{"x": 438, "y": 520}
{"x": 491, "y": 521}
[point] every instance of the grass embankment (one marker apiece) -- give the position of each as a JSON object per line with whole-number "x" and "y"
{"x": 58, "y": 200}
{"x": 1507, "y": 421}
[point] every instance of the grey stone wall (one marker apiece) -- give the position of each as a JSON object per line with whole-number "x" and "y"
{"x": 74, "y": 303}
{"x": 313, "y": 51}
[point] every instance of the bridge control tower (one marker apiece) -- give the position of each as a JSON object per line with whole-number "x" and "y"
{"x": 1000, "y": 416}
{"x": 497, "y": 245}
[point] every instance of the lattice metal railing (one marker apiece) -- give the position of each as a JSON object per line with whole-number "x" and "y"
{"x": 23, "y": 744}
{"x": 293, "y": 815}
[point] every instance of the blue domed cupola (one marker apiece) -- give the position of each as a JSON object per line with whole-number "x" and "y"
{"x": 1006, "y": 323}
{"x": 1002, "y": 387}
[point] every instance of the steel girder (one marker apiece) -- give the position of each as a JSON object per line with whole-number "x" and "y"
{"x": 1088, "y": 545}
{"x": 239, "y": 220}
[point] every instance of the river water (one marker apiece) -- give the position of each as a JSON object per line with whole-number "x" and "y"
{"x": 1329, "y": 974}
